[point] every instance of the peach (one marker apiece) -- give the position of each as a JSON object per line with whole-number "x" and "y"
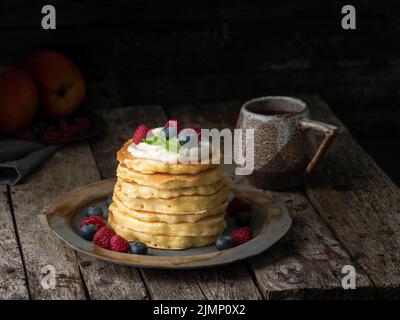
{"x": 18, "y": 100}
{"x": 60, "y": 84}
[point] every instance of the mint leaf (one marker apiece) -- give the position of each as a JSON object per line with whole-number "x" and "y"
{"x": 173, "y": 145}
{"x": 154, "y": 140}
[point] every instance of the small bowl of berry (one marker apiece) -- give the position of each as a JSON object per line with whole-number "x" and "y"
{"x": 81, "y": 126}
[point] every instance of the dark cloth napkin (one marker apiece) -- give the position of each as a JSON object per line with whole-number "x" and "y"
{"x": 19, "y": 157}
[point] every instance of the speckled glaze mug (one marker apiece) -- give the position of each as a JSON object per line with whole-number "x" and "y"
{"x": 281, "y": 145}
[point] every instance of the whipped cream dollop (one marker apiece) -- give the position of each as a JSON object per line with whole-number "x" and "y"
{"x": 158, "y": 152}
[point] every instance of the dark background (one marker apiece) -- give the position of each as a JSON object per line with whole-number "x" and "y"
{"x": 170, "y": 52}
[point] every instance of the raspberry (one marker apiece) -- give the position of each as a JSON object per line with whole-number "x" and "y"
{"x": 84, "y": 123}
{"x": 241, "y": 235}
{"x": 50, "y": 136}
{"x": 140, "y": 133}
{"x": 25, "y": 134}
{"x": 103, "y": 236}
{"x": 175, "y": 124}
{"x": 76, "y": 130}
{"x": 96, "y": 220}
{"x": 198, "y": 132}
{"x": 237, "y": 205}
{"x": 117, "y": 243}
{"x": 64, "y": 130}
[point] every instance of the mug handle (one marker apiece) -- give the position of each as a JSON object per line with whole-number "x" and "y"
{"x": 328, "y": 130}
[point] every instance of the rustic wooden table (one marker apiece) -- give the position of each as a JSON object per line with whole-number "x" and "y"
{"x": 347, "y": 213}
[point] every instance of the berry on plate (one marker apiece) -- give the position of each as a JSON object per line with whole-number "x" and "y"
{"x": 241, "y": 235}
{"x": 109, "y": 200}
{"x": 140, "y": 133}
{"x": 107, "y": 203}
{"x": 224, "y": 241}
{"x": 168, "y": 133}
{"x": 243, "y": 218}
{"x": 189, "y": 138}
{"x": 88, "y": 231}
{"x": 174, "y": 124}
{"x": 138, "y": 247}
{"x": 94, "y": 211}
{"x": 119, "y": 244}
{"x": 237, "y": 204}
{"x": 103, "y": 236}
{"x": 96, "y": 220}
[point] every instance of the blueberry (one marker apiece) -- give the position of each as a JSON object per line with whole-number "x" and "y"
{"x": 243, "y": 218}
{"x": 188, "y": 138}
{"x": 223, "y": 242}
{"x": 88, "y": 231}
{"x": 138, "y": 248}
{"x": 107, "y": 203}
{"x": 94, "y": 211}
{"x": 109, "y": 200}
{"x": 39, "y": 128}
{"x": 168, "y": 133}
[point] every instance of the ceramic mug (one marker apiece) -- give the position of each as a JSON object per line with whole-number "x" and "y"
{"x": 281, "y": 145}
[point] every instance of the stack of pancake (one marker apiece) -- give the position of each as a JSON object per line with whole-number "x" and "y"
{"x": 168, "y": 205}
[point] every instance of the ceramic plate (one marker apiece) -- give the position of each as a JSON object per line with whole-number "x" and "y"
{"x": 270, "y": 222}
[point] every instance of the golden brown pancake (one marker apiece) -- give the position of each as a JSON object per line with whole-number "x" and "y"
{"x": 169, "y": 218}
{"x": 208, "y": 226}
{"x": 135, "y": 190}
{"x": 170, "y": 181}
{"x": 162, "y": 242}
{"x": 183, "y": 204}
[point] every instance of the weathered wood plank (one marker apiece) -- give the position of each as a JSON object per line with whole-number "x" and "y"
{"x": 232, "y": 282}
{"x": 106, "y": 281}
{"x": 12, "y": 275}
{"x": 307, "y": 263}
{"x": 69, "y": 168}
{"x": 65, "y": 170}
{"x": 360, "y": 204}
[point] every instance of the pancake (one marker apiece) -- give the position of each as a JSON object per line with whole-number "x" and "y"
{"x": 183, "y": 204}
{"x": 162, "y": 242}
{"x": 135, "y": 190}
{"x": 208, "y": 226}
{"x": 154, "y": 166}
{"x": 168, "y": 218}
{"x": 171, "y": 181}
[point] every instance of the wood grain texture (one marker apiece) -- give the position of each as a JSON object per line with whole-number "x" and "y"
{"x": 66, "y": 169}
{"x": 307, "y": 263}
{"x": 12, "y": 276}
{"x": 226, "y": 282}
{"x": 360, "y": 204}
{"x": 71, "y": 167}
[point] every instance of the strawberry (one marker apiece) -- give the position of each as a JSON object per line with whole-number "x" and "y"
{"x": 119, "y": 244}
{"x": 83, "y": 122}
{"x": 236, "y": 205}
{"x": 76, "y": 130}
{"x": 175, "y": 124}
{"x": 140, "y": 133}
{"x": 198, "y": 132}
{"x": 50, "y": 136}
{"x": 103, "y": 236}
{"x": 96, "y": 220}
{"x": 64, "y": 130}
{"x": 241, "y": 235}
